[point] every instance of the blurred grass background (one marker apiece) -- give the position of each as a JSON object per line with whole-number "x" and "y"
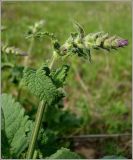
{"x": 107, "y": 79}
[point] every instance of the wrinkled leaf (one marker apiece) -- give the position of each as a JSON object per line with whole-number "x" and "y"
{"x": 4, "y": 141}
{"x": 59, "y": 76}
{"x": 40, "y": 84}
{"x": 17, "y": 125}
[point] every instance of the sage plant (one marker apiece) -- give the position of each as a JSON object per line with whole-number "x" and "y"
{"x": 47, "y": 82}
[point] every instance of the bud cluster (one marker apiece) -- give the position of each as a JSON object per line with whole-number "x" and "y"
{"x": 104, "y": 41}
{"x": 12, "y": 50}
{"x": 35, "y": 29}
{"x": 81, "y": 44}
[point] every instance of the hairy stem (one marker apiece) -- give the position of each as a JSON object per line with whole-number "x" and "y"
{"x": 38, "y": 120}
{"x": 54, "y": 57}
{"x": 35, "y": 132}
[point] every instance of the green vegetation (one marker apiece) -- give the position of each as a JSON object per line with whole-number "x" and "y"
{"x": 98, "y": 98}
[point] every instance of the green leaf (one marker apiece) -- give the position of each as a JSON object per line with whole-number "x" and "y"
{"x": 63, "y": 118}
{"x": 40, "y": 84}
{"x": 2, "y": 121}
{"x": 64, "y": 153}
{"x": 4, "y": 141}
{"x": 17, "y": 125}
{"x": 59, "y": 76}
{"x": 46, "y": 139}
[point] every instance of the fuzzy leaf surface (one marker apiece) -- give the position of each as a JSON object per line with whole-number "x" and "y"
{"x": 17, "y": 125}
{"x": 40, "y": 84}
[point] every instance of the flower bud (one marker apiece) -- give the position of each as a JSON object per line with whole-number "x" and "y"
{"x": 114, "y": 43}
{"x": 12, "y": 50}
{"x": 109, "y": 43}
{"x": 100, "y": 39}
{"x": 90, "y": 39}
{"x": 122, "y": 42}
{"x": 104, "y": 41}
{"x": 64, "y": 49}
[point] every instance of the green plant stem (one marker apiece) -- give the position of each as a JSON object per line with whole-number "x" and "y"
{"x": 35, "y": 132}
{"x": 35, "y": 154}
{"x": 38, "y": 121}
{"x": 26, "y": 61}
{"x": 54, "y": 57}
